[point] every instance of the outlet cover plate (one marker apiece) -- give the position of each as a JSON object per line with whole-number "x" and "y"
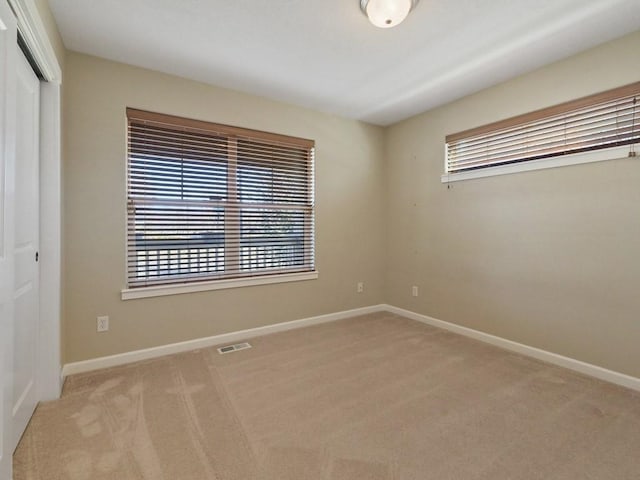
{"x": 102, "y": 324}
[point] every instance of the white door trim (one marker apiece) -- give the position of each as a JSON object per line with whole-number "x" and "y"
{"x": 8, "y": 54}
{"x": 49, "y": 356}
{"x": 35, "y": 36}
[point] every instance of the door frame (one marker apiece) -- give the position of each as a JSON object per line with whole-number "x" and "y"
{"x": 8, "y": 54}
{"x": 49, "y": 361}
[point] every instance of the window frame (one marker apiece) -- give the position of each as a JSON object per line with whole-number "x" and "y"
{"x": 554, "y": 160}
{"x": 232, "y": 135}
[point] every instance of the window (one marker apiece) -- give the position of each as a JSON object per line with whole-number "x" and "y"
{"x": 213, "y": 202}
{"x": 598, "y": 122}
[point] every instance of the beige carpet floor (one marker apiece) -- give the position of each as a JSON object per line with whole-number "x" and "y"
{"x": 376, "y": 397}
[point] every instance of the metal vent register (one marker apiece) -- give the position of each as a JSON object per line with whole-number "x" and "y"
{"x": 233, "y": 348}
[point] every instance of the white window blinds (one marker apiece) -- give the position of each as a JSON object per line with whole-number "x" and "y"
{"x": 600, "y": 121}
{"x": 208, "y": 201}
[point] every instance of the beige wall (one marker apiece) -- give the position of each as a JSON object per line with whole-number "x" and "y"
{"x": 349, "y": 242}
{"x": 548, "y": 258}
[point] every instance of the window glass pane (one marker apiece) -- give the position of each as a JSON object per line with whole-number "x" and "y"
{"x": 272, "y": 239}
{"x": 175, "y": 240}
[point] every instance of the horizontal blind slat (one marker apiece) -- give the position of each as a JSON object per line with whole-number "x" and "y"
{"x": 620, "y": 125}
{"x": 549, "y": 122}
{"x": 565, "y": 144}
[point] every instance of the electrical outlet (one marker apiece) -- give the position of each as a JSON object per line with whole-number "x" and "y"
{"x": 102, "y": 324}
{"x": 360, "y": 287}
{"x": 414, "y": 290}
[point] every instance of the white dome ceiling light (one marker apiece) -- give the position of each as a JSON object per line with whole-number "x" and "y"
{"x": 387, "y": 13}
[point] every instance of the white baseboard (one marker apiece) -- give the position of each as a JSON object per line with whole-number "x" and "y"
{"x": 549, "y": 357}
{"x": 154, "y": 352}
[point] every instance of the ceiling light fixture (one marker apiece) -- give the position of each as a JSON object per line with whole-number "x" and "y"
{"x": 387, "y": 13}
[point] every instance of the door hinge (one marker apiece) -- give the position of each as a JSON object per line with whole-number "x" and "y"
{"x": 37, "y": 256}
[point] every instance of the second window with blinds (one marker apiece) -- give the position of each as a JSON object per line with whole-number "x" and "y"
{"x": 599, "y": 127}
{"x": 214, "y": 206}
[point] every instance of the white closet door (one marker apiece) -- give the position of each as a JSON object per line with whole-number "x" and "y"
{"x": 26, "y": 296}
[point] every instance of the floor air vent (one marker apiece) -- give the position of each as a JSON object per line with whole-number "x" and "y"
{"x": 233, "y": 348}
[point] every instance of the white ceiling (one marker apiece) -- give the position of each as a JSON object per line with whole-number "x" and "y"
{"x": 324, "y": 54}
